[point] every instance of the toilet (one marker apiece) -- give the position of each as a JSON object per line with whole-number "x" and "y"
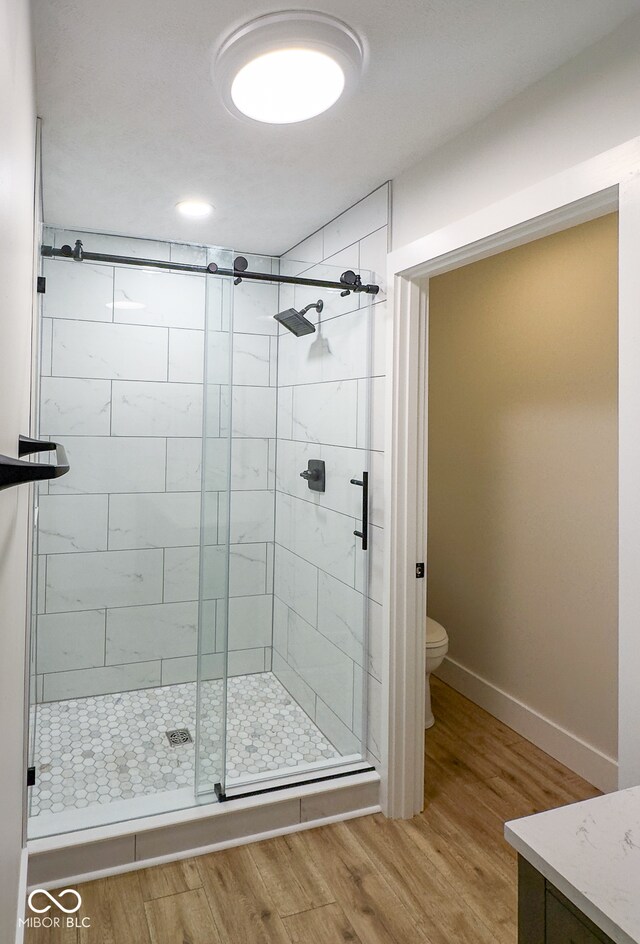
{"x": 437, "y": 646}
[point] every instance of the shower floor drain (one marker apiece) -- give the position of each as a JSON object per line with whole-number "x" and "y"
{"x": 179, "y": 736}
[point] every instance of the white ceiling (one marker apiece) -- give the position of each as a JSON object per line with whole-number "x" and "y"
{"x": 133, "y": 123}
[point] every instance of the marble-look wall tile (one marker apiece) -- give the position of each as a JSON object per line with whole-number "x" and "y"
{"x": 156, "y": 409}
{"x": 82, "y": 292}
{"x": 103, "y": 579}
{"x": 144, "y": 633}
{"x": 68, "y": 523}
{"x": 334, "y": 303}
{"x": 373, "y": 259}
{"x": 184, "y": 461}
{"x": 326, "y": 413}
{"x": 247, "y": 572}
{"x": 324, "y": 667}
{"x": 249, "y": 622}
{"x": 280, "y": 626}
{"x": 251, "y": 360}
{"x": 67, "y": 641}
{"x": 168, "y": 299}
{"x": 371, "y": 414}
{"x": 46, "y": 341}
{"x": 252, "y": 516}
{"x": 73, "y": 407}
{"x": 101, "y": 681}
{"x": 249, "y": 464}
{"x": 285, "y": 412}
{"x": 341, "y": 465}
{"x": 109, "y": 351}
{"x": 380, "y": 341}
{"x": 139, "y": 335}
{"x": 296, "y": 686}
{"x": 325, "y": 399}
{"x": 359, "y": 221}
{"x": 241, "y": 662}
{"x": 190, "y": 255}
{"x": 296, "y": 583}
{"x": 340, "y": 734}
{"x": 254, "y": 305}
{"x": 338, "y": 350}
{"x": 370, "y": 567}
{"x": 154, "y": 520}
{"x": 318, "y": 535}
{"x": 253, "y": 412}
{"x": 181, "y": 574}
{"x": 342, "y": 612}
{"x": 186, "y": 355}
{"x": 245, "y": 661}
{"x": 109, "y": 464}
{"x": 303, "y": 255}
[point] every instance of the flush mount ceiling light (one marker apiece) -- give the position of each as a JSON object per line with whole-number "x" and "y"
{"x": 194, "y": 209}
{"x": 287, "y": 67}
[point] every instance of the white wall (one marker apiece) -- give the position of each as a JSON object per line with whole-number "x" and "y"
{"x": 17, "y": 150}
{"x": 582, "y": 109}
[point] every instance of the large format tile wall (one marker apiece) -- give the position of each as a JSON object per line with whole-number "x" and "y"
{"x": 330, "y": 406}
{"x": 121, "y": 388}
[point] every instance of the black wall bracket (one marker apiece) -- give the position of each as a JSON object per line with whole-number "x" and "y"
{"x": 17, "y": 471}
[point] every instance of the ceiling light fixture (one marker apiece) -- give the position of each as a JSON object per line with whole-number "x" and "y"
{"x": 194, "y": 209}
{"x": 287, "y": 67}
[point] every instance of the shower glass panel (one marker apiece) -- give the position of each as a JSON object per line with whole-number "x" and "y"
{"x": 297, "y": 646}
{"x": 117, "y": 638}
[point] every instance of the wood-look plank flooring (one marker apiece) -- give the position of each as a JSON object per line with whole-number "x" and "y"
{"x": 444, "y": 877}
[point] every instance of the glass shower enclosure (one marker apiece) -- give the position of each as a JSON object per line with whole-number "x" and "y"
{"x": 200, "y": 586}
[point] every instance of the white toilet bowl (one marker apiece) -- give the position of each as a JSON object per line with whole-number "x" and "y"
{"x": 437, "y": 647}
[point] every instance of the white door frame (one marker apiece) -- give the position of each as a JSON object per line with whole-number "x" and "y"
{"x": 605, "y": 183}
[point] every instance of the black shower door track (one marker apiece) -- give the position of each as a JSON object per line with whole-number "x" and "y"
{"x": 350, "y": 281}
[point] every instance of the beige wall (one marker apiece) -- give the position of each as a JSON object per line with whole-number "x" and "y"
{"x": 17, "y": 149}
{"x": 522, "y": 531}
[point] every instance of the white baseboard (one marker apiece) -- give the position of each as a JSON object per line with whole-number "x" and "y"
{"x": 577, "y": 755}
{"x": 22, "y": 896}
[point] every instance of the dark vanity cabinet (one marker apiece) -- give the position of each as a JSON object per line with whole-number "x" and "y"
{"x": 545, "y": 916}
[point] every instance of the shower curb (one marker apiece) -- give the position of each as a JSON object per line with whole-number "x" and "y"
{"x": 109, "y": 850}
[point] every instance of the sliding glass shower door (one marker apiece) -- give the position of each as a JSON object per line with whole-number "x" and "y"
{"x": 213, "y": 618}
{"x": 291, "y": 563}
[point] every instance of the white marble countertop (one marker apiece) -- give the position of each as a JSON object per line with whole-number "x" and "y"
{"x": 590, "y": 851}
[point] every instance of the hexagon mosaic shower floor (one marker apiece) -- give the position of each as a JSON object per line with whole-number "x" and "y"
{"x": 92, "y": 751}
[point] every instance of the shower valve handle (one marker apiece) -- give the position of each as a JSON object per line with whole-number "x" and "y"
{"x": 311, "y": 475}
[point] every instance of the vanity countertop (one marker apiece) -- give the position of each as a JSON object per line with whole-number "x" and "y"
{"x": 590, "y": 851}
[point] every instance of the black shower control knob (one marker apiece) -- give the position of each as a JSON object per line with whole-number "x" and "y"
{"x": 311, "y": 475}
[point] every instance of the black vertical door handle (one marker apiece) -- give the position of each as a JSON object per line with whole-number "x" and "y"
{"x": 364, "y": 485}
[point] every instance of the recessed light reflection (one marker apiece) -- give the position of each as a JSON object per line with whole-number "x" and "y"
{"x": 125, "y": 304}
{"x": 194, "y": 209}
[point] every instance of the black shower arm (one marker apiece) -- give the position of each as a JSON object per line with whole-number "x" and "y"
{"x": 350, "y": 281}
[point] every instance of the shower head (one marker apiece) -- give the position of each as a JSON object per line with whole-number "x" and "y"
{"x": 295, "y": 321}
